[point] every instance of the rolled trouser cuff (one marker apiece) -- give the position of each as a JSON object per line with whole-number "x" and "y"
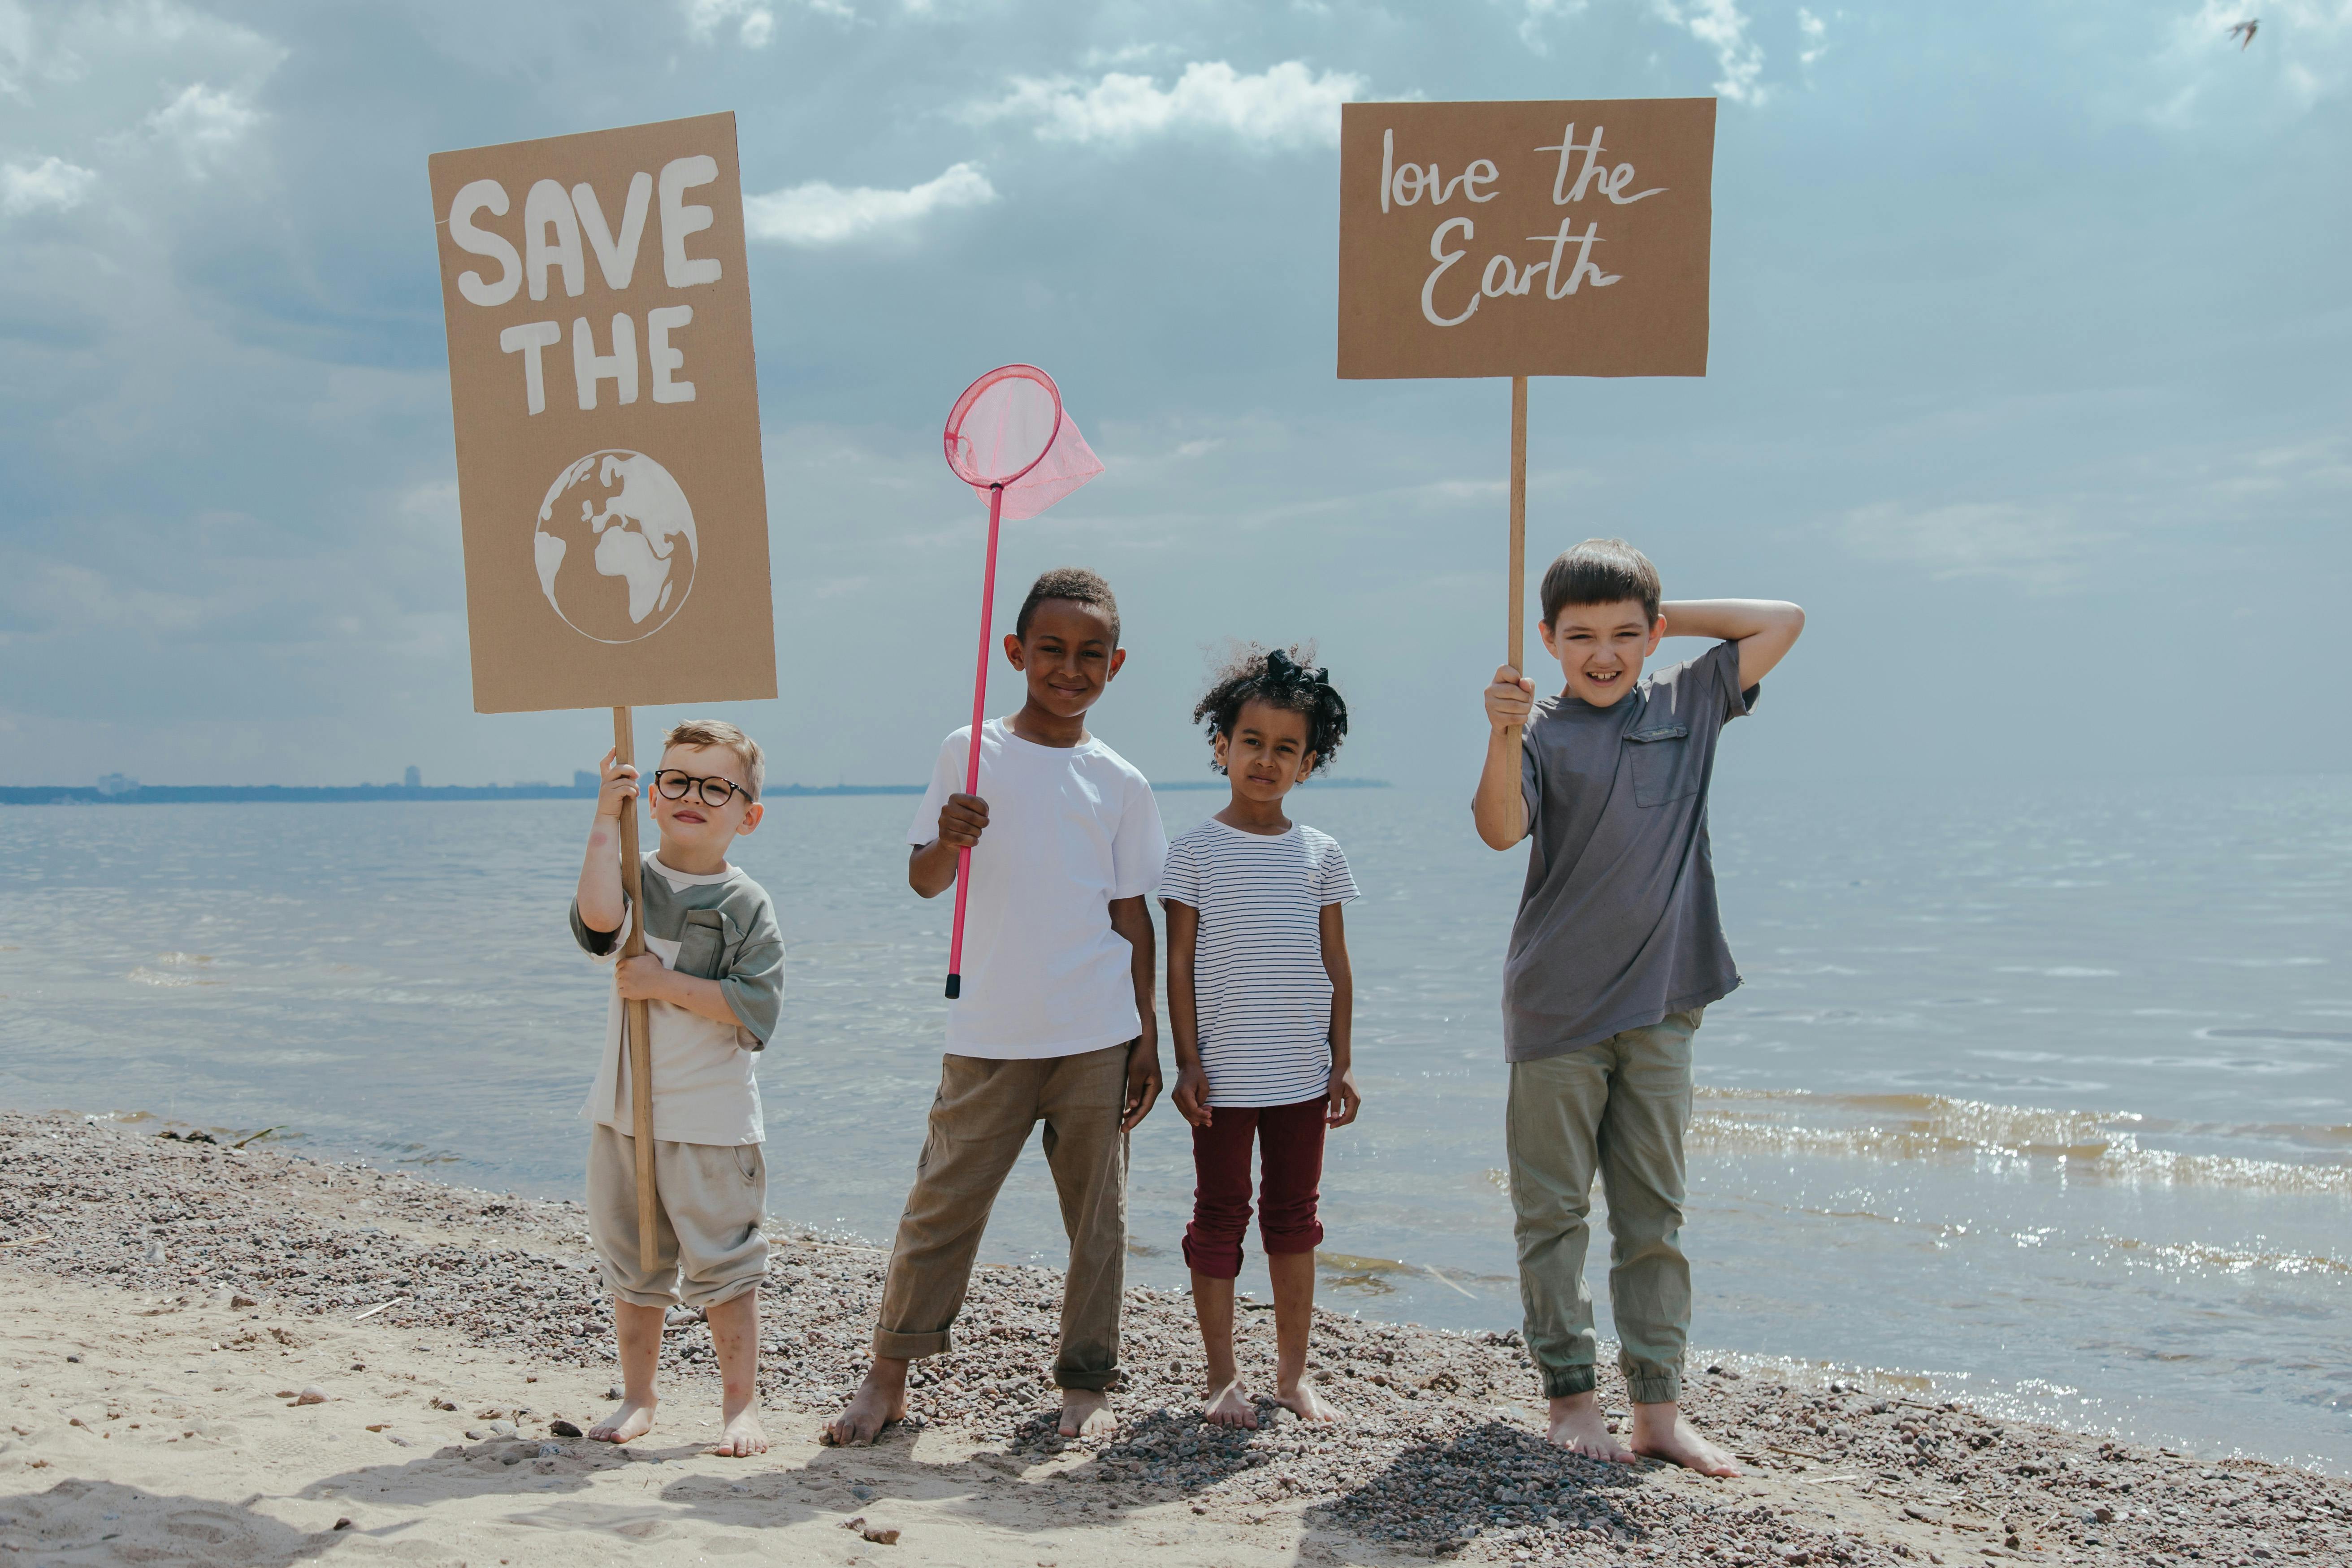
{"x": 724, "y": 1294}
{"x": 1560, "y": 1382}
{"x": 908, "y": 1347}
{"x": 659, "y": 1299}
{"x": 1286, "y": 1242}
{"x": 1091, "y": 1382}
{"x": 1654, "y": 1388}
{"x": 1217, "y": 1257}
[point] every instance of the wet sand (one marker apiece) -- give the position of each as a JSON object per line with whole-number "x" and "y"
{"x": 165, "y": 1305}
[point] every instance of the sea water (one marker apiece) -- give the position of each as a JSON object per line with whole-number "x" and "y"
{"x": 2042, "y": 1097}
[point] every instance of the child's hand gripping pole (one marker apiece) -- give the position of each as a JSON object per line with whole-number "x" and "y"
{"x": 636, "y": 1031}
{"x": 972, "y": 749}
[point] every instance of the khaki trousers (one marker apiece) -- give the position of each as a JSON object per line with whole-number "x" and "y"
{"x": 1619, "y": 1108}
{"x": 710, "y": 1201}
{"x": 978, "y": 1125}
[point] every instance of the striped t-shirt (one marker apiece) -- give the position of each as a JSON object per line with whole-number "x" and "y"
{"x": 1259, "y": 990}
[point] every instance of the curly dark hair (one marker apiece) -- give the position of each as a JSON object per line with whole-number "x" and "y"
{"x": 1281, "y": 678}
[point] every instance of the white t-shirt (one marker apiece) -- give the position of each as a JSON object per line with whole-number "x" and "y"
{"x": 1070, "y": 828}
{"x": 1261, "y": 997}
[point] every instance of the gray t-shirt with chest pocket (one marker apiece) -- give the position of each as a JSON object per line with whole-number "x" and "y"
{"x": 1618, "y": 925}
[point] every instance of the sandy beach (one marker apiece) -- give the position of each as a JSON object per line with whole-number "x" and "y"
{"x": 244, "y": 1356}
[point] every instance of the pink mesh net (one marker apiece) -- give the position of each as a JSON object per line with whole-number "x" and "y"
{"x": 1010, "y": 428}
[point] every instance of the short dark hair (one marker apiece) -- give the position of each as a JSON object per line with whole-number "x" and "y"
{"x": 1280, "y": 678}
{"x": 1075, "y": 583}
{"x": 1600, "y": 571}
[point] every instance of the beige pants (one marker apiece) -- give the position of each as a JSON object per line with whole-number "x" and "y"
{"x": 1619, "y": 1109}
{"x": 978, "y": 1125}
{"x": 708, "y": 1201}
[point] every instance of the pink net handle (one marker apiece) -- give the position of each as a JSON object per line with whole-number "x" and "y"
{"x": 960, "y": 452}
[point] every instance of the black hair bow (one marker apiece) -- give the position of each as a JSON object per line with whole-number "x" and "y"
{"x": 1281, "y": 669}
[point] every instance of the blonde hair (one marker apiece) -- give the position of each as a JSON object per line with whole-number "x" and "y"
{"x": 719, "y": 733}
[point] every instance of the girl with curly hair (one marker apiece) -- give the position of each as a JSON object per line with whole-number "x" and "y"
{"x": 1260, "y": 996}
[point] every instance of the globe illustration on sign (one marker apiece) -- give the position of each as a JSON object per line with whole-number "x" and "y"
{"x": 615, "y": 546}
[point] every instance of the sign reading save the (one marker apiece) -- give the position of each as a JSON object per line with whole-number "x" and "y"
{"x": 1525, "y": 238}
{"x": 607, "y": 419}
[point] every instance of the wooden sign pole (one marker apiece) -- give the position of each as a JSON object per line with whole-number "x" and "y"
{"x": 636, "y": 1031}
{"x": 1518, "y": 531}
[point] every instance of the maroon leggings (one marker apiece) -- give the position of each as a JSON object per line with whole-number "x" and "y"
{"x": 1290, "y": 1145}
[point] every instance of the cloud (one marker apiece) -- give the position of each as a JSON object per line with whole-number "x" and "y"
{"x": 1538, "y": 13}
{"x": 204, "y": 124}
{"x": 2041, "y": 547}
{"x": 16, "y": 48}
{"x": 1816, "y": 34}
{"x": 1721, "y": 26}
{"x": 51, "y": 185}
{"x": 755, "y": 25}
{"x": 1283, "y": 105}
{"x": 818, "y": 214}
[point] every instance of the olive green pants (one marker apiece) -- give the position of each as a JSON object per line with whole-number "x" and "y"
{"x": 980, "y": 1119}
{"x": 1619, "y": 1110}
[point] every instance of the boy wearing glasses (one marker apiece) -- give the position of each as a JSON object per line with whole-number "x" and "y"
{"x": 712, "y": 974}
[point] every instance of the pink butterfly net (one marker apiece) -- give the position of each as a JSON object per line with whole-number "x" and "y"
{"x": 1009, "y": 440}
{"x": 1010, "y": 429}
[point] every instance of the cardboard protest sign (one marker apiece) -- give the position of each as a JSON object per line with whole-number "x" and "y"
{"x": 1525, "y": 238}
{"x": 607, "y": 418}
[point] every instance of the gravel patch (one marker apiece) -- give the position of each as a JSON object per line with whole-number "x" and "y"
{"x": 1440, "y": 1451}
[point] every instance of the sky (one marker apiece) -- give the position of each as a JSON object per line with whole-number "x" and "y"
{"x": 2027, "y": 373}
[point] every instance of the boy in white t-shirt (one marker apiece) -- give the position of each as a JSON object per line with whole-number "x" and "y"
{"x": 1054, "y": 1020}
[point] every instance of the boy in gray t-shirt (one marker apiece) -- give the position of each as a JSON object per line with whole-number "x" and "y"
{"x": 712, "y": 977}
{"x": 1616, "y": 951}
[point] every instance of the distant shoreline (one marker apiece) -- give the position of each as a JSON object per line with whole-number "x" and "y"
{"x": 288, "y": 794}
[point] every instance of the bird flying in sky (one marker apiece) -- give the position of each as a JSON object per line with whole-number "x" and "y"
{"x": 2245, "y": 30}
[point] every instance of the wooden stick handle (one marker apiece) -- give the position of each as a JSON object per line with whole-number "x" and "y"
{"x": 636, "y": 1026}
{"x": 1519, "y": 618}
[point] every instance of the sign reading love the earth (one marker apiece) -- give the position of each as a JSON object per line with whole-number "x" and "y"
{"x": 607, "y": 418}
{"x": 1525, "y": 238}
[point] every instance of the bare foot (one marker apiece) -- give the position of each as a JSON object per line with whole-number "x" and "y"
{"x": 1663, "y": 1432}
{"x": 1579, "y": 1427}
{"x": 1229, "y": 1406}
{"x": 880, "y": 1400}
{"x": 630, "y": 1421}
{"x": 743, "y": 1437}
{"x": 1085, "y": 1413}
{"x": 1301, "y": 1400}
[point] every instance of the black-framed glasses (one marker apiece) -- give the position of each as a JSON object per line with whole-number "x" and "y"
{"x": 676, "y": 784}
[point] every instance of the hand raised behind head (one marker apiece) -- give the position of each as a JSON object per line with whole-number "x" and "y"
{"x": 962, "y": 820}
{"x": 1510, "y": 697}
